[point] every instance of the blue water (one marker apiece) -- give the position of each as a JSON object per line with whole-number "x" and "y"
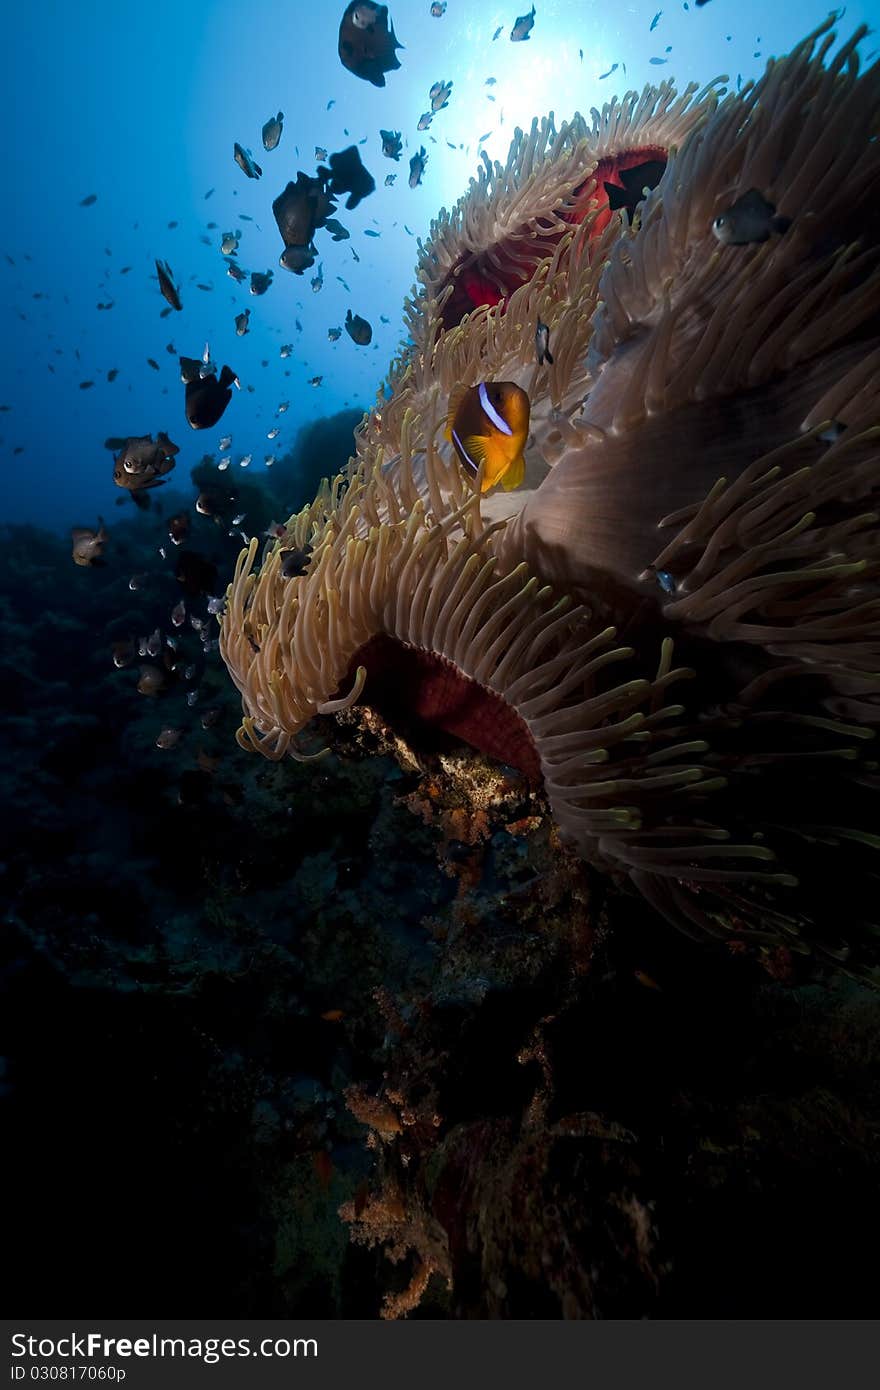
{"x": 141, "y": 105}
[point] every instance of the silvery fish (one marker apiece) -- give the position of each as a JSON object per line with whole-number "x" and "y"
{"x": 749, "y": 220}
{"x": 272, "y": 131}
{"x": 246, "y": 162}
{"x": 542, "y": 344}
{"x": 417, "y": 168}
{"x": 523, "y": 27}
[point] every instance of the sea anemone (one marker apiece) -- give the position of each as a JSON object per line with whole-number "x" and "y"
{"x": 699, "y": 504}
{"x": 514, "y": 215}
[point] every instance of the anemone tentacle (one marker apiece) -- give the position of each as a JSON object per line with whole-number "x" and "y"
{"x": 703, "y": 470}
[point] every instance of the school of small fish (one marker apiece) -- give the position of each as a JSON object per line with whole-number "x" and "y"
{"x": 487, "y": 425}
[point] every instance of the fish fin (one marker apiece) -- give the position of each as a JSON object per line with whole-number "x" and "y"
{"x": 640, "y": 175}
{"x": 780, "y": 224}
{"x": 753, "y": 200}
{"x": 548, "y": 356}
{"x": 162, "y": 438}
{"x": 515, "y": 474}
{"x": 618, "y": 198}
{"x": 473, "y": 455}
{"x": 456, "y": 396}
{"x": 227, "y": 376}
{"x": 474, "y": 446}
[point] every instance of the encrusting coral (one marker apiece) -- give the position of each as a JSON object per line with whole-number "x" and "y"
{"x": 673, "y": 624}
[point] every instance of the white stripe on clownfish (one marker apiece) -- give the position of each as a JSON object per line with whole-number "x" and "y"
{"x": 497, "y": 420}
{"x": 463, "y": 453}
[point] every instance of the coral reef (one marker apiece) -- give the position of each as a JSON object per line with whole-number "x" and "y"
{"x": 573, "y": 1109}
{"x": 672, "y": 625}
{"x": 587, "y": 1117}
{"x": 666, "y": 643}
{"x": 430, "y": 992}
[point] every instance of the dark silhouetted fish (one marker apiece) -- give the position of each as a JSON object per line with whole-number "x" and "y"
{"x": 749, "y": 220}
{"x": 634, "y": 181}
{"x": 358, "y": 329}
{"x": 167, "y": 285}
{"x": 294, "y": 563}
{"x": 348, "y": 175}
{"x": 206, "y": 396}
{"x": 367, "y": 42}
{"x": 298, "y": 258}
{"x": 299, "y": 209}
{"x": 210, "y": 504}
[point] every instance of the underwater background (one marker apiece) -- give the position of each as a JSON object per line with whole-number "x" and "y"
{"x": 210, "y": 962}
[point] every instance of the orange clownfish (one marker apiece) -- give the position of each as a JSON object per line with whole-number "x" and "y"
{"x": 488, "y": 426}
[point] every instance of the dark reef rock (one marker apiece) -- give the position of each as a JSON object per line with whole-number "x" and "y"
{"x": 221, "y": 976}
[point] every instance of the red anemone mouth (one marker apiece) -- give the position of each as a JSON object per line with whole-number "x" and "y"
{"x": 425, "y": 698}
{"x": 489, "y": 276}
